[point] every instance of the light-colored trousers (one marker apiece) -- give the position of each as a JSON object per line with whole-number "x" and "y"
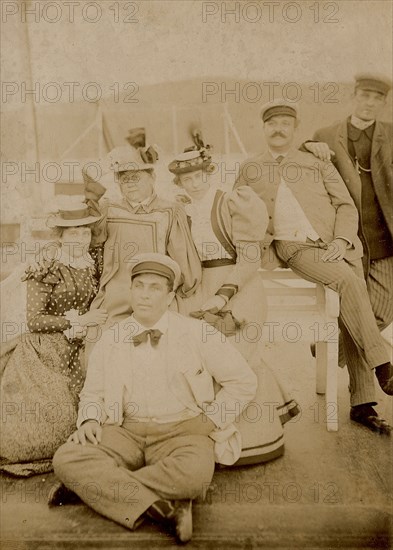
{"x": 363, "y": 344}
{"x": 137, "y": 464}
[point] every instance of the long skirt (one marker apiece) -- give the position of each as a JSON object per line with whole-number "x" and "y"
{"x": 40, "y": 383}
{"x": 261, "y": 422}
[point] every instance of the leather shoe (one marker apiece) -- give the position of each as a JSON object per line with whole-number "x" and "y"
{"x": 60, "y": 495}
{"x": 175, "y": 516}
{"x": 384, "y": 374}
{"x": 368, "y": 416}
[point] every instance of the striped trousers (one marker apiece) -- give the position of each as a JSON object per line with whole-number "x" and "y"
{"x": 363, "y": 344}
{"x": 380, "y": 290}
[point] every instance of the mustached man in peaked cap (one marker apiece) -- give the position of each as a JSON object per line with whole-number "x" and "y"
{"x": 313, "y": 228}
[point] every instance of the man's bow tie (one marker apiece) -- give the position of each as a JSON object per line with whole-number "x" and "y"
{"x": 155, "y": 336}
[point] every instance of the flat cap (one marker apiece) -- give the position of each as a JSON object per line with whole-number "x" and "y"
{"x": 278, "y": 107}
{"x": 158, "y": 264}
{"x": 373, "y": 82}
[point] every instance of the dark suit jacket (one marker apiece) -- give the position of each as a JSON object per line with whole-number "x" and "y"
{"x": 318, "y": 188}
{"x": 336, "y": 137}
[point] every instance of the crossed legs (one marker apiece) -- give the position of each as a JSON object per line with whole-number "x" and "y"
{"x": 363, "y": 343}
{"x": 137, "y": 464}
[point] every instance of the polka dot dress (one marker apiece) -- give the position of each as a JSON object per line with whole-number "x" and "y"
{"x": 52, "y": 292}
{"x": 42, "y": 375}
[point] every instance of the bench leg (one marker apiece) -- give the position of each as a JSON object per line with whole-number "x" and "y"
{"x": 331, "y": 387}
{"x": 321, "y": 359}
{"x": 326, "y": 380}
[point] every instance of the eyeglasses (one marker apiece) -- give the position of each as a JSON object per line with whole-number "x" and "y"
{"x": 130, "y": 178}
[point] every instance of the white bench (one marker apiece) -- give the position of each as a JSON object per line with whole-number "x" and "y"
{"x": 317, "y": 308}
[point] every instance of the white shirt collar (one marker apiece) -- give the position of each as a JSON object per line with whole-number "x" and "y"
{"x": 145, "y": 202}
{"x": 361, "y": 124}
{"x": 161, "y": 325}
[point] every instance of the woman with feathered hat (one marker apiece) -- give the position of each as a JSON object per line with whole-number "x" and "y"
{"x": 139, "y": 222}
{"x": 227, "y": 229}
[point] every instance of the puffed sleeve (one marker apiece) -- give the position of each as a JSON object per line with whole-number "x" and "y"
{"x": 181, "y": 248}
{"x": 94, "y": 191}
{"x": 242, "y": 178}
{"x": 248, "y": 214}
{"x": 246, "y": 219}
{"x": 40, "y": 285}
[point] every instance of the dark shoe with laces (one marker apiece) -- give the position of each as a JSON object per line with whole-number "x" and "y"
{"x": 175, "y": 516}
{"x": 368, "y": 417}
{"x": 384, "y": 374}
{"x": 59, "y": 495}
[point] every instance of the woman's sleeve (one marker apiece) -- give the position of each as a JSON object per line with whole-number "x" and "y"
{"x": 39, "y": 290}
{"x": 181, "y": 248}
{"x": 249, "y": 216}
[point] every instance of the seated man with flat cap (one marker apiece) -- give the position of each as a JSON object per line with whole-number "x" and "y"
{"x": 150, "y": 423}
{"x": 313, "y": 229}
{"x": 362, "y": 147}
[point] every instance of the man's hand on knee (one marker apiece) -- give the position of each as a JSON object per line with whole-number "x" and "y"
{"x": 335, "y": 251}
{"x": 90, "y": 430}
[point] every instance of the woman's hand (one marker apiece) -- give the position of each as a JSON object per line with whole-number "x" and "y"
{"x": 93, "y": 317}
{"x": 75, "y": 332}
{"x": 216, "y": 302}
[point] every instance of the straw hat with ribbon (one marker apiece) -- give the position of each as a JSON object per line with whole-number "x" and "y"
{"x": 196, "y": 157}
{"x": 74, "y": 216}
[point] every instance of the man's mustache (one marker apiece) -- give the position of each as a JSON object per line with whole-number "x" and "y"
{"x": 279, "y": 134}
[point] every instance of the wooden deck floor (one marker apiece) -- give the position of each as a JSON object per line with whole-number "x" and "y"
{"x": 329, "y": 490}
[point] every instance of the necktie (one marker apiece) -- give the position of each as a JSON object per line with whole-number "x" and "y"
{"x": 279, "y": 158}
{"x": 155, "y": 336}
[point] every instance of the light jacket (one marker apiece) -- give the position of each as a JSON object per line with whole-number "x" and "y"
{"x": 196, "y": 356}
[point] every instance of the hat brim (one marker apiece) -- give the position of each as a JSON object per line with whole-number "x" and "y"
{"x": 278, "y": 111}
{"x": 176, "y": 168}
{"x": 134, "y": 167}
{"x": 156, "y": 268}
{"x": 60, "y": 222}
{"x": 169, "y": 276}
{"x": 383, "y": 90}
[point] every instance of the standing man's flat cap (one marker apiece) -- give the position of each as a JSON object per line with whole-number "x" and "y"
{"x": 158, "y": 264}
{"x": 278, "y": 107}
{"x": 373, "y": 82}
